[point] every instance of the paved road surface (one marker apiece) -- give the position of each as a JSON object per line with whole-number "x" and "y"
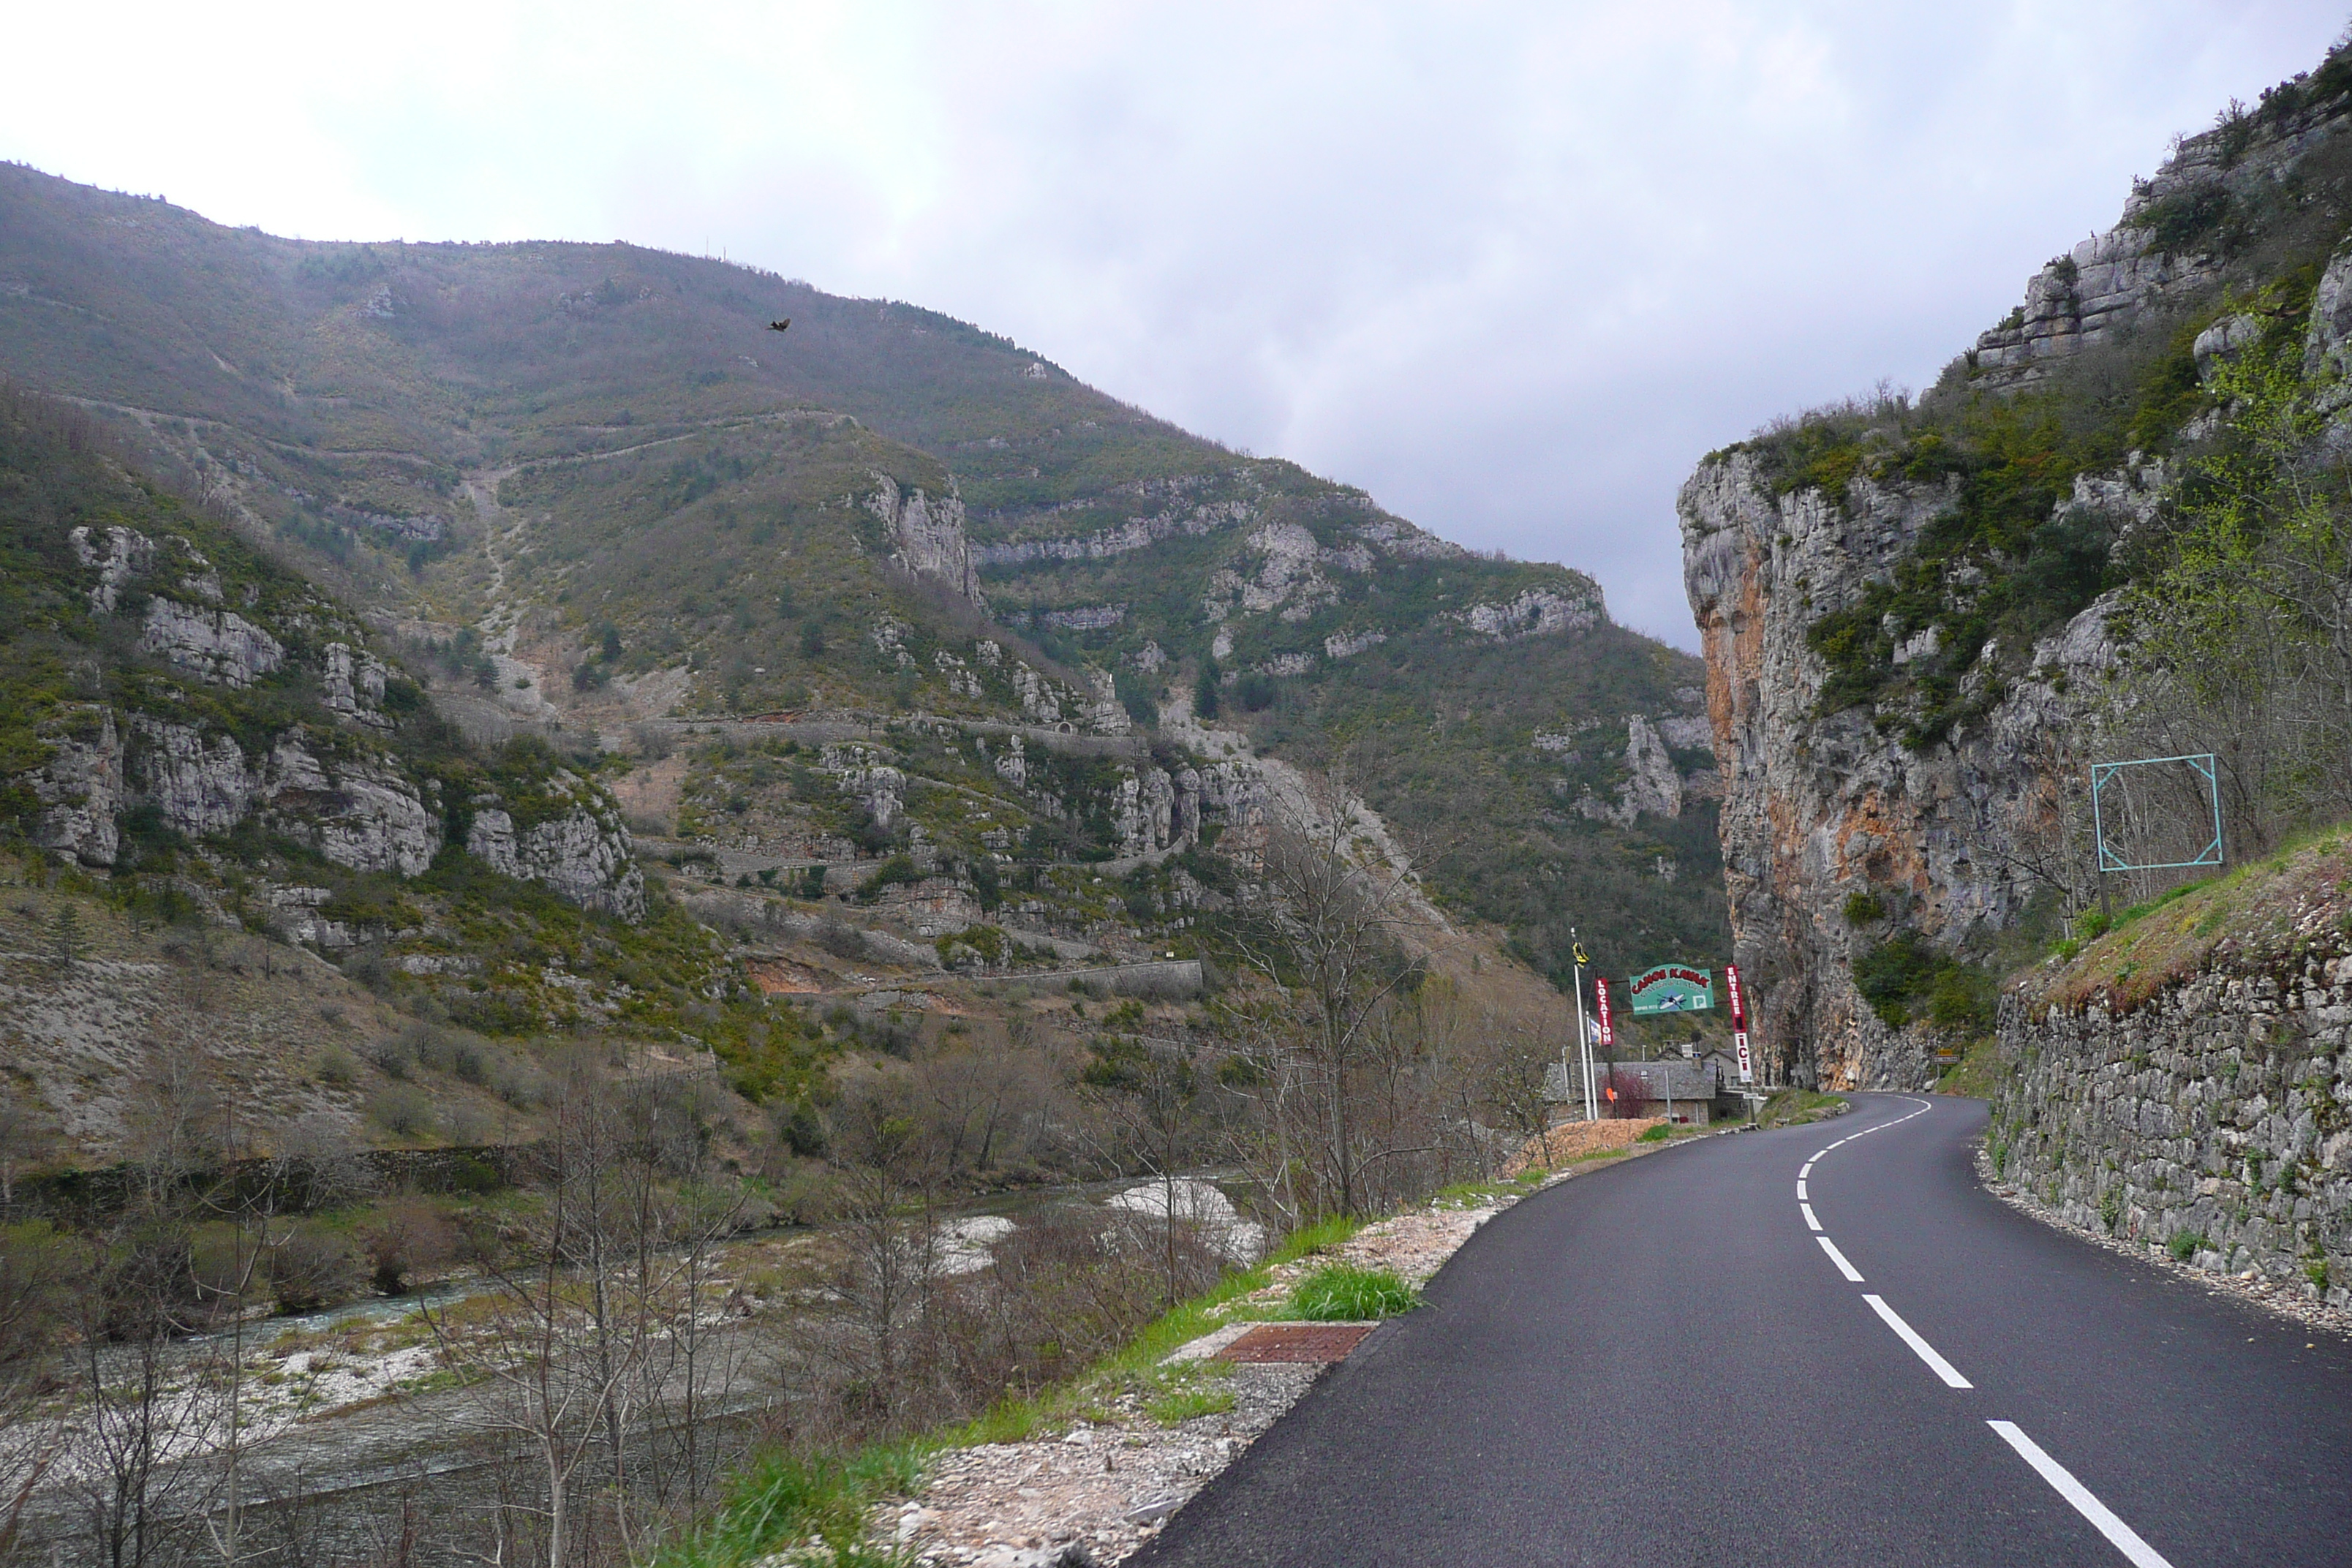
{"x": 1661, "y": 1363}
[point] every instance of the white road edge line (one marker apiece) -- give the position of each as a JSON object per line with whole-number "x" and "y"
{"x": 1806, "y": 1172}
{"x": 1801, "y": 1194}
{"x": 1810, "y": 1223}
{"x": 2125, "y": 1539}
{"x": 1926, "y": 1351}
{"x": 1839, "y": 1259}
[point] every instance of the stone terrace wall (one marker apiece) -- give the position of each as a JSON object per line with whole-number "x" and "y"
{"x": 2219, "y": 1110}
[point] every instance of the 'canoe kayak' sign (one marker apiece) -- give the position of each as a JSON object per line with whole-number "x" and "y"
{"x": 1672, "y": 988}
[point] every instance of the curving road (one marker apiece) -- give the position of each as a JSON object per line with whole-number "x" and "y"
{"x": 1667, "y": 1363}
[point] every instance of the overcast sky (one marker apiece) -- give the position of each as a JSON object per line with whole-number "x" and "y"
{"x": 1512, "y": 268}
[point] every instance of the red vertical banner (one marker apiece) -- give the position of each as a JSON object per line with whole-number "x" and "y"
{"x": 1738, "y": 999}
{"x": 1601, "y": 997}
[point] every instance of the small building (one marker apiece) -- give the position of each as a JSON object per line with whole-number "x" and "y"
{"x": 1694, "y": 1092}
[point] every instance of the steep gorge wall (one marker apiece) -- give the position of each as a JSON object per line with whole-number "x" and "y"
{"x": 1945, "y": 788}
{"x": 1819, "y": 808}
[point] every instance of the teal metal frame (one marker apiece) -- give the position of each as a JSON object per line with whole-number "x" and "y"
{"x": 2202, "y": 764}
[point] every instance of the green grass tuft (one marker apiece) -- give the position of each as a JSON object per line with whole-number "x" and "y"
{"x": 1342, "y": 1292}
{"x": 1188, "y": 1401}
{"x": 811, "y": 1508}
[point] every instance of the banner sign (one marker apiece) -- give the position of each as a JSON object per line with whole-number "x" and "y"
{"x": 1608, "y": 1026}
{"x": 1672, "y": 988}
{"x": 1738, "y": 1022}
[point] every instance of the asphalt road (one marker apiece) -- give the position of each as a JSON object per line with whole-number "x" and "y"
{"x": 1660, "y": 1363}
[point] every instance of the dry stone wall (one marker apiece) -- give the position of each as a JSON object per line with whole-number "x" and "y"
{"x": 2214, "y": 1120}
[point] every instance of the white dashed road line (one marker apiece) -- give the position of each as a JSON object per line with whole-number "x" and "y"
{"x": 2125, "y": 1539}
{"x": 1926, "y": 1352}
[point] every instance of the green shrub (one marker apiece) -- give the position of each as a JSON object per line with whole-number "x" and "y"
{"x": 2186, "y": 1245}
{"x": 1340, "y": 1292}
{"x": 311, "y": 1269}
{"x": 1904, "y": 978}
{"x": 896, "y": 869}
{"x": 401, "y": 1109}
{"x": 1863, "y": 908}
{"x": 1657, "y": 1134}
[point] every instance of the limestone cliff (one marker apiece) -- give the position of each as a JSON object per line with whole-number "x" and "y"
{"x": 182, "y": 691}
{"x": 1907, "y": 608}
{"x": 1820, "y": 809}
{"x": 579, "y": 848}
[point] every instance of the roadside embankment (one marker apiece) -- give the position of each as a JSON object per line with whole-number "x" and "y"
{"x": 1082, "y": 1476}
{"x": 2184, "y": 1084}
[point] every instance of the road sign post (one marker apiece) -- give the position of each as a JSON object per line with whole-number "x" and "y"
{"x": 1738, "y": 1002}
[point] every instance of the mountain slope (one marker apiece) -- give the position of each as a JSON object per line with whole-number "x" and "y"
{"x": 592, "y": 470}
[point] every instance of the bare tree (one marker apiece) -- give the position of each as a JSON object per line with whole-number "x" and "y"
{"x": 1331, "y": 934}
{"x": 1150, "y": 1086}
{"x": 30, "y": 1292}
{"x": 551, "y": 1370}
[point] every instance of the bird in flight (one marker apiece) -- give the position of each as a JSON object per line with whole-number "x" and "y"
{"x": 779, "y": 326}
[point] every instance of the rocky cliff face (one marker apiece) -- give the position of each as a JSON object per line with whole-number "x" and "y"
{"x": 927, "y": 535}
{"x": 583, "y": 852}
{"x": 1914, "y": 774}
{"x": 195, "y": 769}
{"x": 1817, "y": 808}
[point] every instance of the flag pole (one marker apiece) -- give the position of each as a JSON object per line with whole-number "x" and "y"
{"x": 1583, "y": 1035}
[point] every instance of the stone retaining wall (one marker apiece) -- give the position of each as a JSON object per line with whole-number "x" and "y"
{"x": 2213, "y": 1119}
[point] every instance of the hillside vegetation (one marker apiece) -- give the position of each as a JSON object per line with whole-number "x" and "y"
{"x": 593, "y": 469}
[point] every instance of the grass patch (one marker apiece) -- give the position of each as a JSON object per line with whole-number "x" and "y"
{"x": 2259, "y": 906}
{"x": 1188, "y": 1400}
{"x": 1977, "y": 1074}
{"x": 811, "y": 1508}
{"x": 1797, "y": 1107}
{"x": 1342, "y": 1293}
{"x": 1478, "y": 1195}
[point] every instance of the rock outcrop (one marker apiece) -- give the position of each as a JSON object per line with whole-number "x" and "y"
{"x": 582, "y": 853}
{"x": 1818, "y": 807}
{"x": 1539, "y": 612}
{"x": 356, "y": 811}
{"x": 81, "y": 789}
{"x": 217, "y": 645}
{"x": 927, "y": 535}
{"x": 338, "y": 782}
{"x": 1953, "y": 825}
